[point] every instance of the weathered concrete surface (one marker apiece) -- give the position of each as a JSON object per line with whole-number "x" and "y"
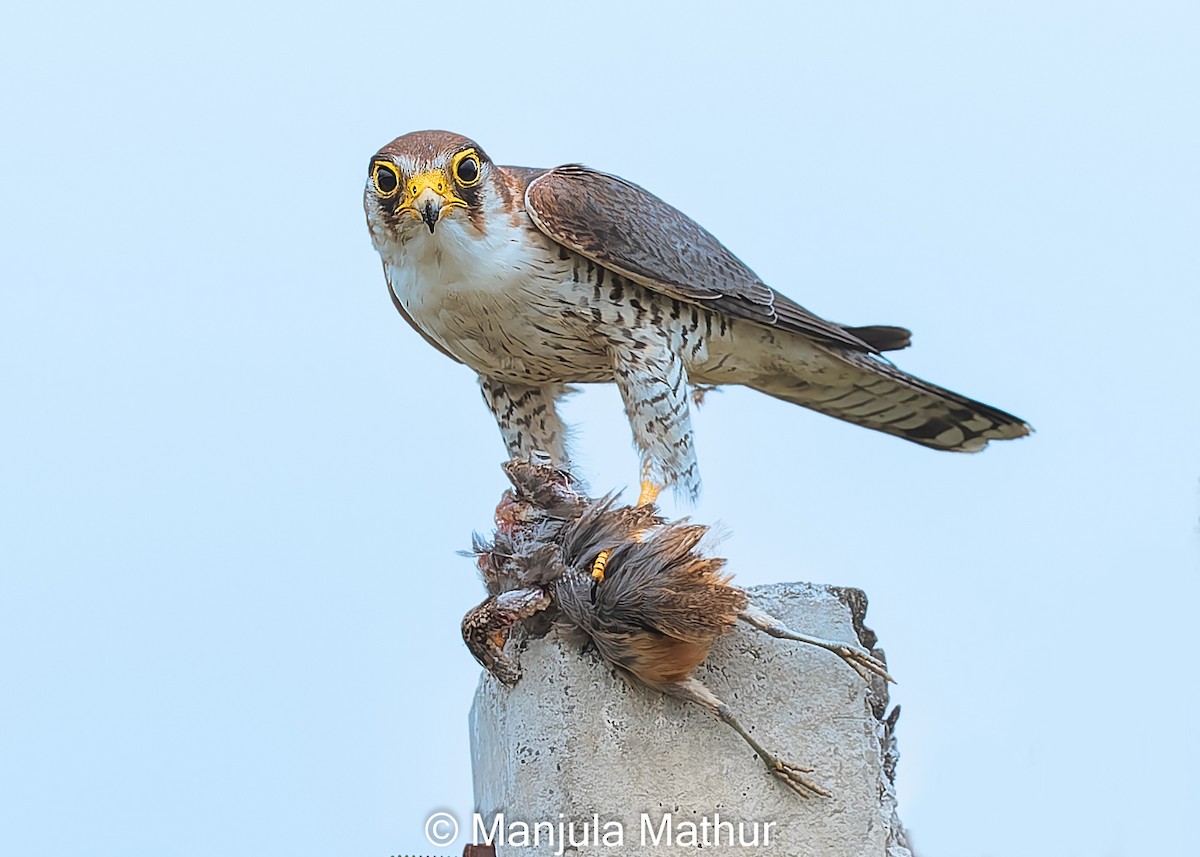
{"x": 574, "y": 740}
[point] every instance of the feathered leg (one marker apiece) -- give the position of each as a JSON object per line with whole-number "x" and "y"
{"x": 528, "y": 419}
{"x": 654, "y": 387}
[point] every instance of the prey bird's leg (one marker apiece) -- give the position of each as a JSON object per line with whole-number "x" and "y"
{"x": 694, "y": 690}
{"x": 863, "y": 662}
{"x": 485, "y": 629}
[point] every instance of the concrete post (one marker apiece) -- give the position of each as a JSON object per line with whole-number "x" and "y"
{"x": 576, "y": 743}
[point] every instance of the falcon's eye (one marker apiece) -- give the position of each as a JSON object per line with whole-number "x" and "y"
{"x": 387, "y": 180}
{"x": 466, "y": 168}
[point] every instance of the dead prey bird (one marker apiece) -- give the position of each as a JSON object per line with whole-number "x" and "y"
{"x": 652, "y": 604}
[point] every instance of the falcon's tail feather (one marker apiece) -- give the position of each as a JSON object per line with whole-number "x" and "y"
{"x": 876, "y": 395}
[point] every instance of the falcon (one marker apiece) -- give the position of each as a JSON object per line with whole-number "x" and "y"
{"x": 537, "y": 279}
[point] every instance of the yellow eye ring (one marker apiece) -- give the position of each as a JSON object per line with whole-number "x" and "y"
{"x": 466, "y": 168}
{"x": 386, "y": 179}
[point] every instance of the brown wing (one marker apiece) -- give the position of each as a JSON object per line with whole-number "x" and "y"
{"x": 629, "y": 230}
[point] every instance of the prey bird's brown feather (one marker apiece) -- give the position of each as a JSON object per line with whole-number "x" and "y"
{"x": 653, "y": 613}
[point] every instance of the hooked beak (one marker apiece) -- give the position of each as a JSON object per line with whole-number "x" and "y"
{"x": 430, "y": 209}
{"x": 430, "y": 196}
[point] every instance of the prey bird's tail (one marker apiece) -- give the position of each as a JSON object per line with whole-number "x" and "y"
{"x": 871, "y": 392}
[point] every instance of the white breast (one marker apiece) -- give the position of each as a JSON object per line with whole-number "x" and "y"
{"x": 486, "y": 298}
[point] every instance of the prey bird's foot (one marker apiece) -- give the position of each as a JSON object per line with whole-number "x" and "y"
{"x": 863, "y": 662}
{"x": 796, "y": 780}
{"x": 860, "y": 660}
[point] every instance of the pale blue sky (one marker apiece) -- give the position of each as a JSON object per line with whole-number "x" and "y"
{"x": 234, "y": 481}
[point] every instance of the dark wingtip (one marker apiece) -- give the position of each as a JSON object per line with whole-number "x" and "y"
{"x": 883, "y": 337}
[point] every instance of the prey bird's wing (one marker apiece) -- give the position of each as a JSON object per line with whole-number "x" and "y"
{"x": 629, "y": 230}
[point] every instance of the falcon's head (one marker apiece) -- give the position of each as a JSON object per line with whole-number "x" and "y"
{"x": 429, "y": 181}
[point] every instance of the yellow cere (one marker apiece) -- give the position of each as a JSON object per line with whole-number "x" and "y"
{"x": 436, "y": 181}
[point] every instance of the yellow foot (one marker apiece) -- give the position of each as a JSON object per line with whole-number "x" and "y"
{"x": 598, "y": 565}
{"x": 650, "y": 492}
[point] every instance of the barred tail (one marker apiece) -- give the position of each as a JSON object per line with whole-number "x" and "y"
{"x": 873, "y": 393}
